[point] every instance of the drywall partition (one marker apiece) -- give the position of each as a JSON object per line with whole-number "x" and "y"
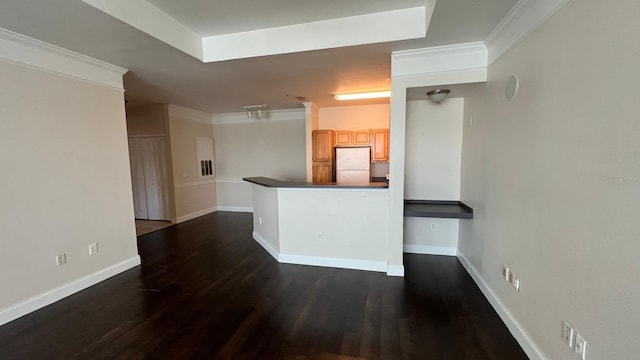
{"x": 354, "y": 117}
{"x": 195, "y": 194}
{"x": 433, "y": 147}
{"x": 311, "y": 111}
{"x": 458, "y": 64}
{"x": 274, "y": 146}
{"x": 65, "y": 180}
{"x": 554, "y": 177}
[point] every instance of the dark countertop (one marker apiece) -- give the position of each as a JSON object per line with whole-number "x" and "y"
{"x": 274, "y": 183}
{"x": 437, "y": 209}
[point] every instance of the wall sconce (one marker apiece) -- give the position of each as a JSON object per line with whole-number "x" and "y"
{"x": 438, "y": 95}
{"x": 258, "y": 110}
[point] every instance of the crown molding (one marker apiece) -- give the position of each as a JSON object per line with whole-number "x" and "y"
{"x": 21, "y": 49}
{"x": 190, "y": 114}
{"x": 520, "y": 21}
{"x": 439, "y": 59}
{"x": 269, "y": 115}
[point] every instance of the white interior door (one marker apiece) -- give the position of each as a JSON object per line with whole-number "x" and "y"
{"x": 136, "y": 161}
{"x": 156, "y": 178}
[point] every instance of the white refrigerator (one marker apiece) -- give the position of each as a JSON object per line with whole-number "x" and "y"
{"x": 353, "y": 165}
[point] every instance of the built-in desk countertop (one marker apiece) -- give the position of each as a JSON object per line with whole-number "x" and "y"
{"x": 437, "y": 209}
{"x": 274, "y": 183}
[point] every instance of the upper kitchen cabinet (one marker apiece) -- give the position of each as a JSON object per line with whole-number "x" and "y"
{"x": 360, "y": 137}
{"x": 323, "y": 143}
{"x": 343, "y": 138}
{"x": 352, "y": 138}
{"x": 380, "y": 145}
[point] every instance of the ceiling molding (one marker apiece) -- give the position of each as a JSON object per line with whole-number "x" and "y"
{"x": 269, "y": 115}
{"x": 190, "y": 114}
{"x": 524, "y": 18}
{"x": 348, "y": 31}
{"x": 149, "y": 19}
{"x": 22, "y": 49}
{"x": 440, "y": 59}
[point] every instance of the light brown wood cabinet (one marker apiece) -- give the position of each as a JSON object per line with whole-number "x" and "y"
{"x": 352, "y": 138}
{"x": 361, "y": 137}
{"x": 323, "y": 143}
{"x": 343, "y": 138}
{"x": 380, "y": 145}
{"x": 323, "y": 167}
{"x": 322, "y": 172}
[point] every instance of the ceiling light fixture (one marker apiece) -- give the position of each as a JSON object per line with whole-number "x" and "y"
{"x": 438, "y": 95}
{"x": 258, "y": 110}
{"x": 367, "y": 95}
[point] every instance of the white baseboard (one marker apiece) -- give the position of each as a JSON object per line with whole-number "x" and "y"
{"x": 235, "y": 208}
{"x": 353, "y": 264}
{"x": 395, "y": 270}
{"x": 521, "y": 336}
{"x": 266, "y": 245}
{"x": 39, "y": 301}
{"x": 196, "y": 214}
{"x": 430, "y": 250}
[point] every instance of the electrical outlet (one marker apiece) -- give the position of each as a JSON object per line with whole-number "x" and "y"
{"x": 505, "y": 272}
{"x": 61, "y": 259}
{"x": 567, "y": 334}
{"x": 433, "y": 226}
{"x": 319, "y": 236}
{"x": 516, "y": 282}
{"x": 93, "y": 248}
{"x": 581, "y": 347}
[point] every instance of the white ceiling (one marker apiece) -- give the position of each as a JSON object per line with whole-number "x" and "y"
{"x": 161, "y": 73}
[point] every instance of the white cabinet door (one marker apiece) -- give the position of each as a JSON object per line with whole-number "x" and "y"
{"x": 136, "y": 161}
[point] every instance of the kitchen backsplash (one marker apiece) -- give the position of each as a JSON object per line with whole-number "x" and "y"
{"x": 379, "y": 169}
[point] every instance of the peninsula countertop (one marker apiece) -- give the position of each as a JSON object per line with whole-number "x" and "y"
{"x": 274, "y": 183}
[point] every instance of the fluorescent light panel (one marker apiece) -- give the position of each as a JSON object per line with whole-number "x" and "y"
{"x": 367, "y": 95}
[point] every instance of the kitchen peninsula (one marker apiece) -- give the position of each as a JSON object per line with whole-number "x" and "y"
{"x": 322, "y": 224}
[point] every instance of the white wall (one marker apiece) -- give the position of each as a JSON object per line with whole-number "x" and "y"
{"x": 553, "y": 177}
{"x": 354, "y": 117}
{"x": 271, "y": 148}
{"x": 65, "y": 182}
{"x": 433, "y": 148}
{"x": 194, "y": 196}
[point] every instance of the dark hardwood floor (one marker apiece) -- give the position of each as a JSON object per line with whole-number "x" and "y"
{"x": 206, "y": 290}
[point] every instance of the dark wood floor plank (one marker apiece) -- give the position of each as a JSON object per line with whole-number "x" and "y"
{"x": 207, "y": 290}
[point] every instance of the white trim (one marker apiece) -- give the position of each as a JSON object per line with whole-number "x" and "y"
{"x": 265, "y": 244}
{"x": 195, "y": 214}
{"x": 195, "y": 183}
{"x": 47, "y": 298}
{"x": 235, "y": 208}
{"x": 190, "y": 114}
{"x": 467, "y": 76}
{"x": 269, "y": 115}
{"x": 430, "y": 250}
{"x": 439, "y": 59}
{"x": 354, "y": 264}
{"x": 395, "y": 270}
{"x": 519, "y": 333}
{"x": 22, "y": 49}
{"x": 229, "y": 181}
{"x": 524, "y": 18}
